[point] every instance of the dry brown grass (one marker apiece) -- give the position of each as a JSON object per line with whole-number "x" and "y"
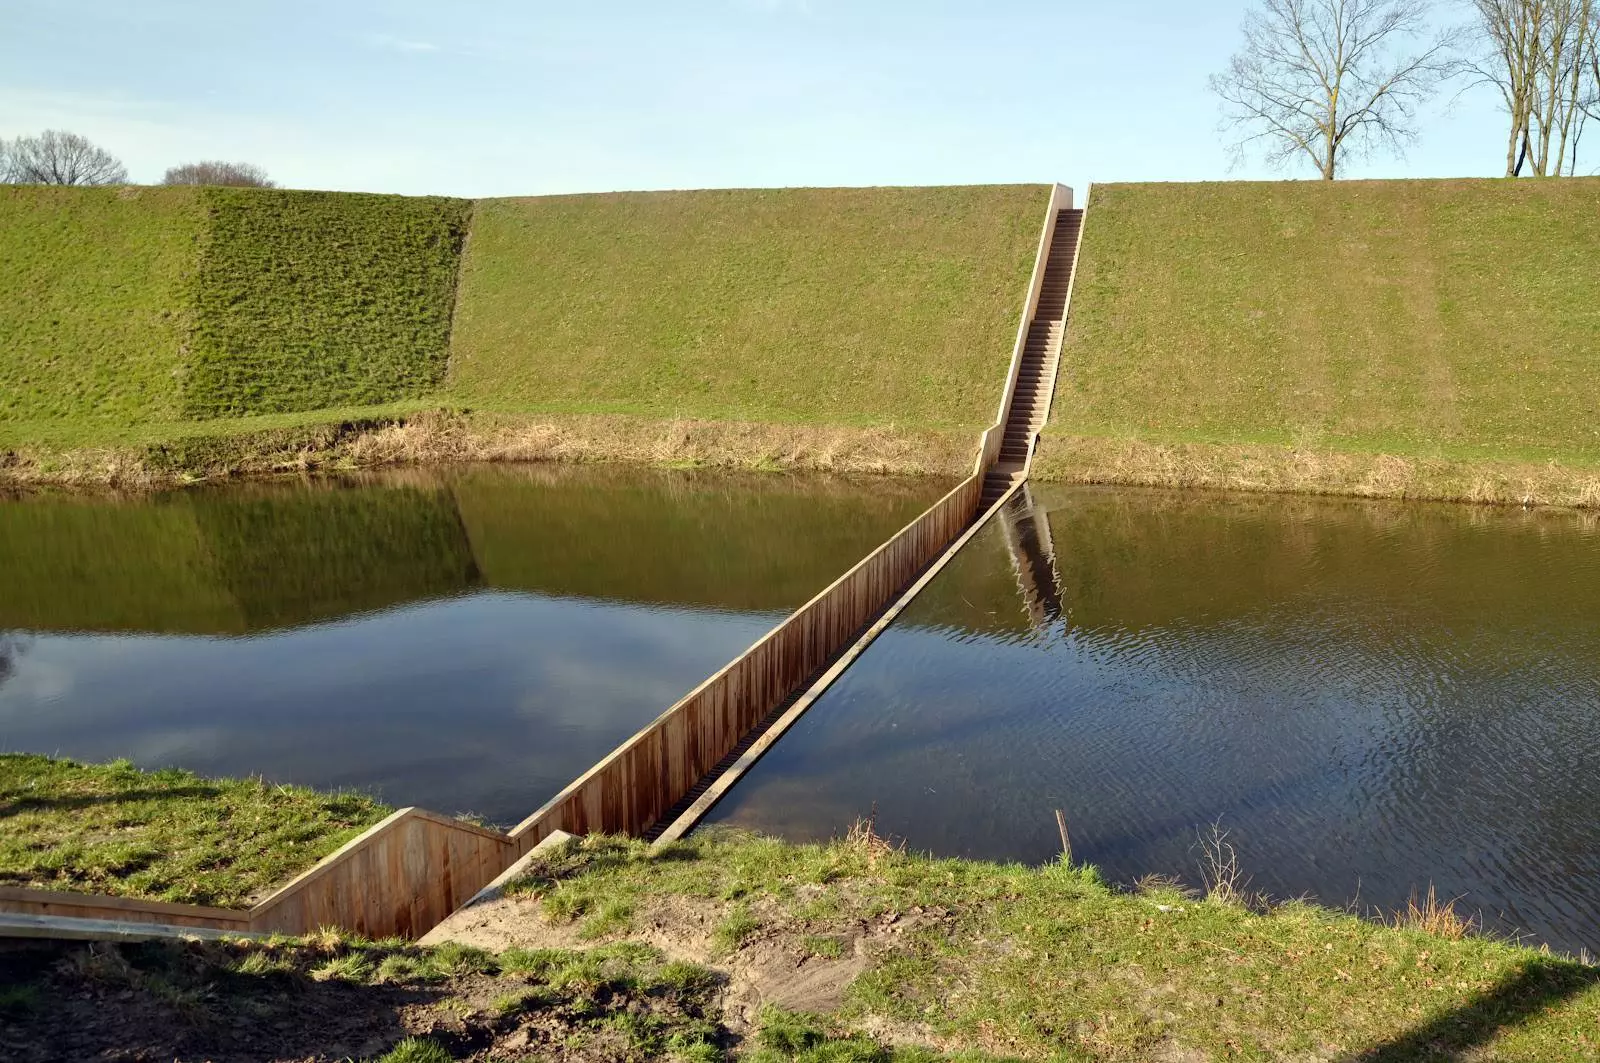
{"x": 863, "y": 837}
{"x": 1225, "y": 881}
{"x": 442, "y": 437}
{"x": 1259, "y": 467}
{"x": 642, "y": 441}
{"x": 1431, "y": 916}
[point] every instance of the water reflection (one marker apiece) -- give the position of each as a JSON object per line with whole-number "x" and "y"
{"x": 468, "y": 640}
{"x": 1370, "y": 697}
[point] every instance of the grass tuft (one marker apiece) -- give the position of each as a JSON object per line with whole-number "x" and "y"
{"x": 416, "y": 1050}
{"x": 1432, "y": 917}
{"x": 735, "y": 929}
{"x": 1225, "y": 882}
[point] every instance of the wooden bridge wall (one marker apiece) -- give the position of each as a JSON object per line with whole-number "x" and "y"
{"x": 645, "y": 776}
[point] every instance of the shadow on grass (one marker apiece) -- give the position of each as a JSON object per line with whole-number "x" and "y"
{"x": 1542, "y": 984}
{"x": 184, "y": 1001}
{"x": 67, "y": 804}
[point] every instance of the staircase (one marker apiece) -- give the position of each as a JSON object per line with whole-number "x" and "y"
{"x": 1041, "y": 354}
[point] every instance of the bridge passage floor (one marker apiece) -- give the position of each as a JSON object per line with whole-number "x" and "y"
{"x": 468, "y": 640}
{"x": 1368, "y": 697}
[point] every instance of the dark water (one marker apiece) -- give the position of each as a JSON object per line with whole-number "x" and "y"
{"x": 464, "y": 641}
{"x": 1369, "y": 698}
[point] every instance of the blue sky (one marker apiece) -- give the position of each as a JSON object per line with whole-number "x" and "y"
{"x": 503, "y": 98}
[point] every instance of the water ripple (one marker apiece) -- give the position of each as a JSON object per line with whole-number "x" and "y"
{"x": 1371, "y": 698}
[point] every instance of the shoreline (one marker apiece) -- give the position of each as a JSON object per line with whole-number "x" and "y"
{"x": 1282, "y": 470}
{"x": 447, "y": 437}
{"x": 441, "y": 437}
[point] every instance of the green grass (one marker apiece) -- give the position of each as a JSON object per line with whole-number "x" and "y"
{"x": 128, "y": 314}
{"x": 1052, "y": 963}
{"x": 153, "y": 335}
{"x": 844, "y": 306}
{"x": 1451, "y": 320}
{"x": 966, "y": 961}
{"x": 164, "y": 835}
{"x": 310, "y": 300}
{"x": 95, "y": 303}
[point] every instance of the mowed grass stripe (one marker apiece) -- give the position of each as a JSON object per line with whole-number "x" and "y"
{"x": 1429, "y": 319}
{"x": 94, "y": 302}
{"x": 307, "y": 300}
{"x": 840, "y": 306}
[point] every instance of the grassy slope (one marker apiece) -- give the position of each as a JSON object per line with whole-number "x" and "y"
{"x": 289, "y": 314}
{"x": 1428, "y": 319}
{"x": 94, "y": 306}
{"x": 166, "y": 835}
{"x": 1049, "y": 963}
{"x": 309, "y": 300}
{"x": 845, "y": 306}
{"x": 130, "y": 316}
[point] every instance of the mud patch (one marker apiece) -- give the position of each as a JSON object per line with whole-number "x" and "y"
{"x": 775, "y": 965}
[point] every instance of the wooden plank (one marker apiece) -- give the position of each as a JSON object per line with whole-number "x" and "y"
{"x": 51, "y": 928}
{"x": 23, "y": 900}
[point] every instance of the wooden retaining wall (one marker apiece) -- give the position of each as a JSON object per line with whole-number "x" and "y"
{"x": 399, "y": 878}
{"x": 645, "y": 776}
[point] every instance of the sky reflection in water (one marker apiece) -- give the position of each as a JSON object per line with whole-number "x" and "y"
{"x": 1368, "y": 697}
{"x": 465, "y": 641}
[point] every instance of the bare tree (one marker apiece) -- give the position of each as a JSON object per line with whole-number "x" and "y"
{"x": 5, "y": 162}
{"x": 1542, "y": 56}
{"x": 1325, "y": 79}
{"x": 59, "y": 158}
{"x": 242, "y": 174}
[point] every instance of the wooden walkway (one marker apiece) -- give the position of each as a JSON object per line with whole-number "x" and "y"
{"x": 407, "y": 874}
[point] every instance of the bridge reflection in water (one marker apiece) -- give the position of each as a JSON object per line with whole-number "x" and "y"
{"x": 1369, "y": 696}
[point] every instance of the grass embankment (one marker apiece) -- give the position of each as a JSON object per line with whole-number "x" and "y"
{"x": 880, "y": 306}
{"x": 1430, "y": 339}
{"x": 164, "y": 835}
{"x": 94, "y": 305}
{"x": 320, "y": 300}
{"x": 850, "y": 329}
{"x": 161, "y": 334}
{"x": 736, "y": 947}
